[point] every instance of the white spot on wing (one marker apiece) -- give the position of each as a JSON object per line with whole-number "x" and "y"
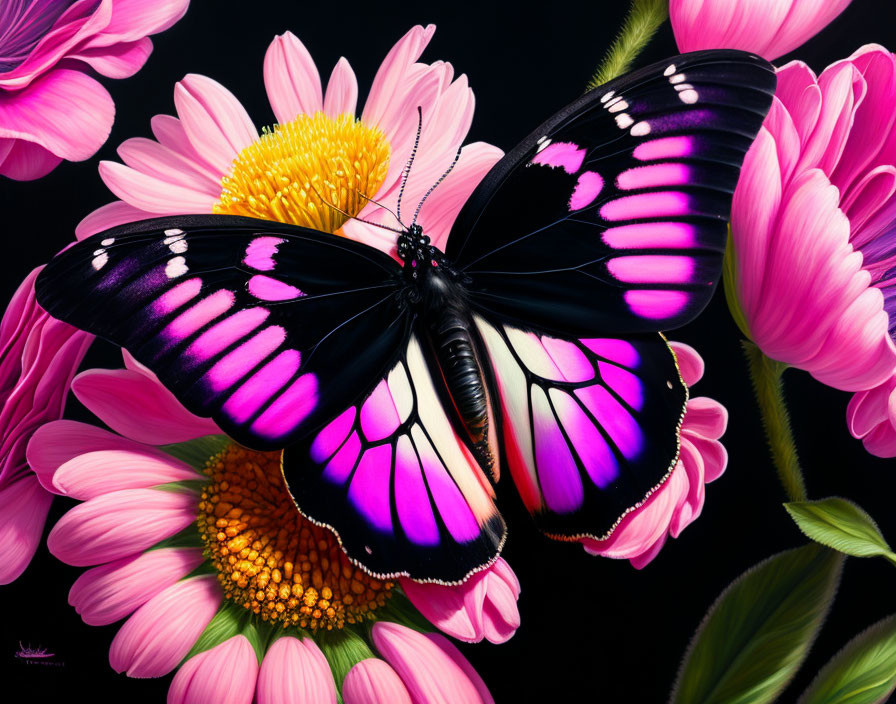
{"x": 100, "y": 260}
{"x": 543, "y": 144}
{"x": 689, "y": 96}
{"x": 624, "y": 121}
{"x": 606, "y": 96}
{"x": 641, "y": 129}
{"x": 176, "y": 266}
{"x": 677, "y": 78}
{"x": 616, "y": 107}
{"x": 98, "y": 252}
{"x": 178, "y": 246}
{"x": 670, "y": 69}
{"x": 174, "y": 231}
{"x": 106, "y": 242}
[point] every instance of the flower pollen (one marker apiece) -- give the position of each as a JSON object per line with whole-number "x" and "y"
{"x": 296, "y": 172}
{"x": 269, "y": 558}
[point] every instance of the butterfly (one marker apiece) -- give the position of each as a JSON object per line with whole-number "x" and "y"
{"x": 400, "y": 389}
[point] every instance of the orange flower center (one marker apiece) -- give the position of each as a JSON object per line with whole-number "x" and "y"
{"x": 269, "y": 558}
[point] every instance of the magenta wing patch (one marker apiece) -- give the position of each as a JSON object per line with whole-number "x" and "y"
{"x": 394, "y": 480}
{"x": 586, "y": 422}
{"x": 256, "y": 324}
{"x": 612, "y": 215}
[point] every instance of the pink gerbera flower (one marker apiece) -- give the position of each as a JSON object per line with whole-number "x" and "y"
{"x": 679, "y": 501}
{"x": 813, "y": 220}
{"x": 50, "y": 107}
{"x": 196, "y": 542}
{"x": 319, "y": 160}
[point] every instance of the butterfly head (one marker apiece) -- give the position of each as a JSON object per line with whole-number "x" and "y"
{"x": 414, "y": 248}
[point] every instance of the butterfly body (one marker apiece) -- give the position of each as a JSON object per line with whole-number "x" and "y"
{"x": 399, "y": 391}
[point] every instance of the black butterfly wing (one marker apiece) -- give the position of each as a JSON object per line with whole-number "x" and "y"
{"x": 611, "y": 216}
{"x": 269, "y": 329}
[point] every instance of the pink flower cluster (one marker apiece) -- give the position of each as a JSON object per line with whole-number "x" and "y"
{"x": 51, "y": 108}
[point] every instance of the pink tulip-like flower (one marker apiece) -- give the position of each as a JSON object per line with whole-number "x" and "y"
{"x": 484, "y": 606}
{"x": 137, "y": 496}
{"x": 203, "y": 160}
{"x": 677, "y": 502}
{"x": 38, "y": 358}
{"x": 431, "y": 668}
{"x": 813, "y": 223}
{"x": 770, "y": 28}
{"x": 51, "y": 108}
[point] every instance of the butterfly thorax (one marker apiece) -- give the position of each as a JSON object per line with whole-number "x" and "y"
{"x": 436, "y": 291}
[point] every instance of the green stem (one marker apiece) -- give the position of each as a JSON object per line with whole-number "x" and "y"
{"x": 766, "y": 375}
{"x": 643, "y": 20}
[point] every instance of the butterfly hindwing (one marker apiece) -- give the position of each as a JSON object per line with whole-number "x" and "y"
{"x": 269, "y": 329}
{"x": 612, "y": 215}
{"x": 590, "y": 426}
{"x": 391, "y": 476}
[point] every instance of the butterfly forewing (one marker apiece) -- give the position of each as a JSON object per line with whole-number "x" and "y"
{"x": 267, "y": 328}
{"x": 611, "y": 217}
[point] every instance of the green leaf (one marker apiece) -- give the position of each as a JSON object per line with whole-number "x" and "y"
{"x": 759, "y": 631}
{"x": 187, "y": 538}
{"x": 197, "y": 452}
{"x": 343, "y": 649}
{"x": 864, "y": 672}
{"x": 840, "y": 524}
{"x": 643, "y": 20}
{"x": 225, "y": 624}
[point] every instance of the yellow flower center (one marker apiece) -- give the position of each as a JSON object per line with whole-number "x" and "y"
{"x": 306, "y": 171}
{"x": 269, "y": 558}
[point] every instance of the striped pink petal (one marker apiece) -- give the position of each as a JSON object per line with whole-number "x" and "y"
{"x": 291, "y": 79}
{"x": 108, "y": 593}
{"x": 295, "y": 670}
{"x": 226, "y": 673}
{"x": 117, "y": 525}
{"x": 161, "y": 632}
{"x": 23, "y": 511}
{"x": 342, "y": 90}
{"x": 373, "y": 681}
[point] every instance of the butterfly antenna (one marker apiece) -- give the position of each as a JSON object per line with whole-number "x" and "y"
{"x": 350, "y": 216}
{"x": 376, "y": 202}
{"x": 434, "y": 186}
{"x": 407, "y": 169}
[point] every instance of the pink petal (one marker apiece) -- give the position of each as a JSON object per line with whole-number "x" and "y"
{"x": 161, "y": 162}
{"x": 133, "y": 19}
{"x": 105, "y": 594}
{"x": 373, "y": 681}
{"x": 452, "y": 652}
{"x": 226, "y": 673}
{"x": 117, "y": 525}
{"x": 64, "y": 111}
{"x": 138, "y": 407}
{"x": 152, "y": 194}
{"x": 291, "y": 79}
{"x": 342, "y": 90}
{"x": 110, "y": 215}
{"x": 295, "y": 670}
{"x": 216, "y": 123}
{"x": 393, "y": 70}
{"x": 118, "y": 61}
{"x": 431, "y": 675}
{"x": 161, "y": 632}
{"x": 769, "y": 28}
{"x": 705, "y": 417}
{"x": 443, "y": 606}
{"x": 23, "y": 511}
{"x": 171, "y": 133}
{"x": 690, "y": 363}
{"x": 57, "y": 442}
{"x": 26, "y": 161}
{"x": 95, "y": 473}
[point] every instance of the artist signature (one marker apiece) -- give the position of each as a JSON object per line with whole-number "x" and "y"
{"x": 36, "y": 656}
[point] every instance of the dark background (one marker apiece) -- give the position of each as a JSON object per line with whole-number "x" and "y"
{"x": 593, "y": 629}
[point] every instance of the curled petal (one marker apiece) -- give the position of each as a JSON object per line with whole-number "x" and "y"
{"x": 23, "y": 511}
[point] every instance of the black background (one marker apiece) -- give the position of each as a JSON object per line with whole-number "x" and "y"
{"x": 594, "y": 630}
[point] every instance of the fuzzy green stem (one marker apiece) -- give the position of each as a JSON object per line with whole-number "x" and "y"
{"x": 766, "y": 376}
{"x": 643, "y": 20}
